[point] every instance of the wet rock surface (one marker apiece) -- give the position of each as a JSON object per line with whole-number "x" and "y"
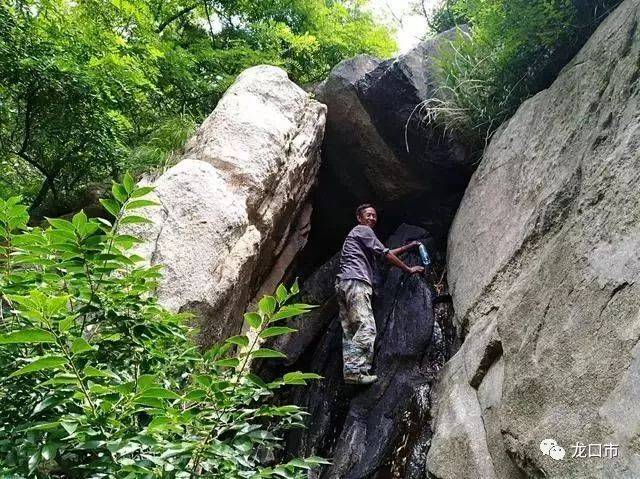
{"x": 380, "y": 430}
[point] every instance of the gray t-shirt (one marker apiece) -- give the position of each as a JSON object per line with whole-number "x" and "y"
{"x": 360, "y": 250}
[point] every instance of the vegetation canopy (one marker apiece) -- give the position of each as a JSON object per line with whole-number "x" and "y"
{"x": 91, "y": 88}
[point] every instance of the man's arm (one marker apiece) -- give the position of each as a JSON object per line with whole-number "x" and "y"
{"x": 405, "y": 248}
{"x": 394, "y": 260}
{"x": 371, "y": 241}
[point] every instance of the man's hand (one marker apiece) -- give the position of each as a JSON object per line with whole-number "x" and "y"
{"x": 416, "y": 270}
{"x": 414, "y": 244}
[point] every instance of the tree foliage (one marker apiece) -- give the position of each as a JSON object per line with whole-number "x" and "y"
{"x": 514, "y": 49}
{"x": 85, "y": 86}
{"x": 98, "y": 381}
{"x": 445, "y": 16}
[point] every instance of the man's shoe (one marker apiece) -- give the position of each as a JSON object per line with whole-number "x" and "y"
{"x": 359, "y": 378}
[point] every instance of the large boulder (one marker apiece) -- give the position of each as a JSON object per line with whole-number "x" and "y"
{"x": 379, "y": 148}
{"x": 544, "y": 267}
{"x": 236, "y": 205}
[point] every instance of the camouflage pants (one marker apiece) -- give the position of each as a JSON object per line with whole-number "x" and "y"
{"x": 358, "y": 325}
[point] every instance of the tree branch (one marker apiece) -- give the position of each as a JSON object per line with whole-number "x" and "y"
{"x": 176, "y": 16}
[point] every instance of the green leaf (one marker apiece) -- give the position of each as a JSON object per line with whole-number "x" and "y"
{"x": 111, "y": 206}
{"x": 79, "y": 220}
{"x": 267, "y": 353}
{"x": 49, "y": 451}
{"x": 295, "y": 289}
{"x": 56, "y": 304}
{"x": 44, "y": 426}
{"x": 126, "y": 241}
{"x": 204, "y": 380}
{"x": 126, "y": 388}
{"x": 61, "y": 379}
{"x": 299, "y": 463}
{"x": 33, "y": 462}
{"x": 28, "y": 336}
{"x": 159, "y": 393}
{"x": 298, "y": 377}
{"x": 281, "y": 294}
{"x": 47, "y": 403}
{"x": 133, "y": 219}
{"x": 132, "y": 205}
{"x": 253, "y": 319}
{"x": 91, "y": 372}
{"x": 119, "y": 192}
{"x": 241, "y": 341}
{"x": 142, "y": 191}
{"x": 147, "y": 381}
{"x": 267, "y": 305}
{"x": 287, "y": 312}
{"x": 69, "y": 426}
{"x": 316, "y": 460}
{"x": 257, "y": 380}
{"x": 61, "y": 224}
{"x": 47, "y": 362}
{"x": 158, "y": 421}
{"x": 276, "y": 331}
{"x": 66, "y": 324}
{"x": 128, "y": 183}
{"x": 80, "y": 345}
{"x": 228, "y": 363}
{"x": 196, "y": 395}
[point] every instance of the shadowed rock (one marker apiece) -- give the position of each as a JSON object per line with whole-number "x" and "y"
{"x": 378, "y": 147}
{"x": 369, "y": 431}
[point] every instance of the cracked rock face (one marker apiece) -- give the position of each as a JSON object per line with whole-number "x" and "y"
{"x": 544, "y": 264}
{"x": 234, "y": 210}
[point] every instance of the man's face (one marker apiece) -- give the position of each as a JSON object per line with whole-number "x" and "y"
{"x": 368, "y": 217}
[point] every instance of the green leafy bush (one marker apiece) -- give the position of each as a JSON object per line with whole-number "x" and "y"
{"x": 514, "y": 49}
{"x": 98, "y": 381}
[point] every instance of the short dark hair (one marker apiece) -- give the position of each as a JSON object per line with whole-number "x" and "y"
{"x": 363, "y": 207}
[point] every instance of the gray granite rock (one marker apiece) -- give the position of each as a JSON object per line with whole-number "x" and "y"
{"x": 233, "y": 210}
{"x": 546, "y": 244}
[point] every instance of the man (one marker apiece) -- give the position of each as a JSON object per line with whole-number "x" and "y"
{"x": 354, "y": 288}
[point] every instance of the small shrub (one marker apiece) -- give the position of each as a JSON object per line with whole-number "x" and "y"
{"x": 514, "y": 49}
{"x": 99, "y": 381}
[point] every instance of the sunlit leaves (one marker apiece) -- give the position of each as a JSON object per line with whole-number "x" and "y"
{"x": 28, "y": 336}
{"x": 47, "y": 362}
{"x": 267, "y": 353}
{"x": 122, "y": 84}
{"x": 276, "y": 331}
{"x": 80, "y": 345}
{"x": 253, "y": 320}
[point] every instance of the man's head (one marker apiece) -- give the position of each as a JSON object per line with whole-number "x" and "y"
{"x": 366, "y": 215}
